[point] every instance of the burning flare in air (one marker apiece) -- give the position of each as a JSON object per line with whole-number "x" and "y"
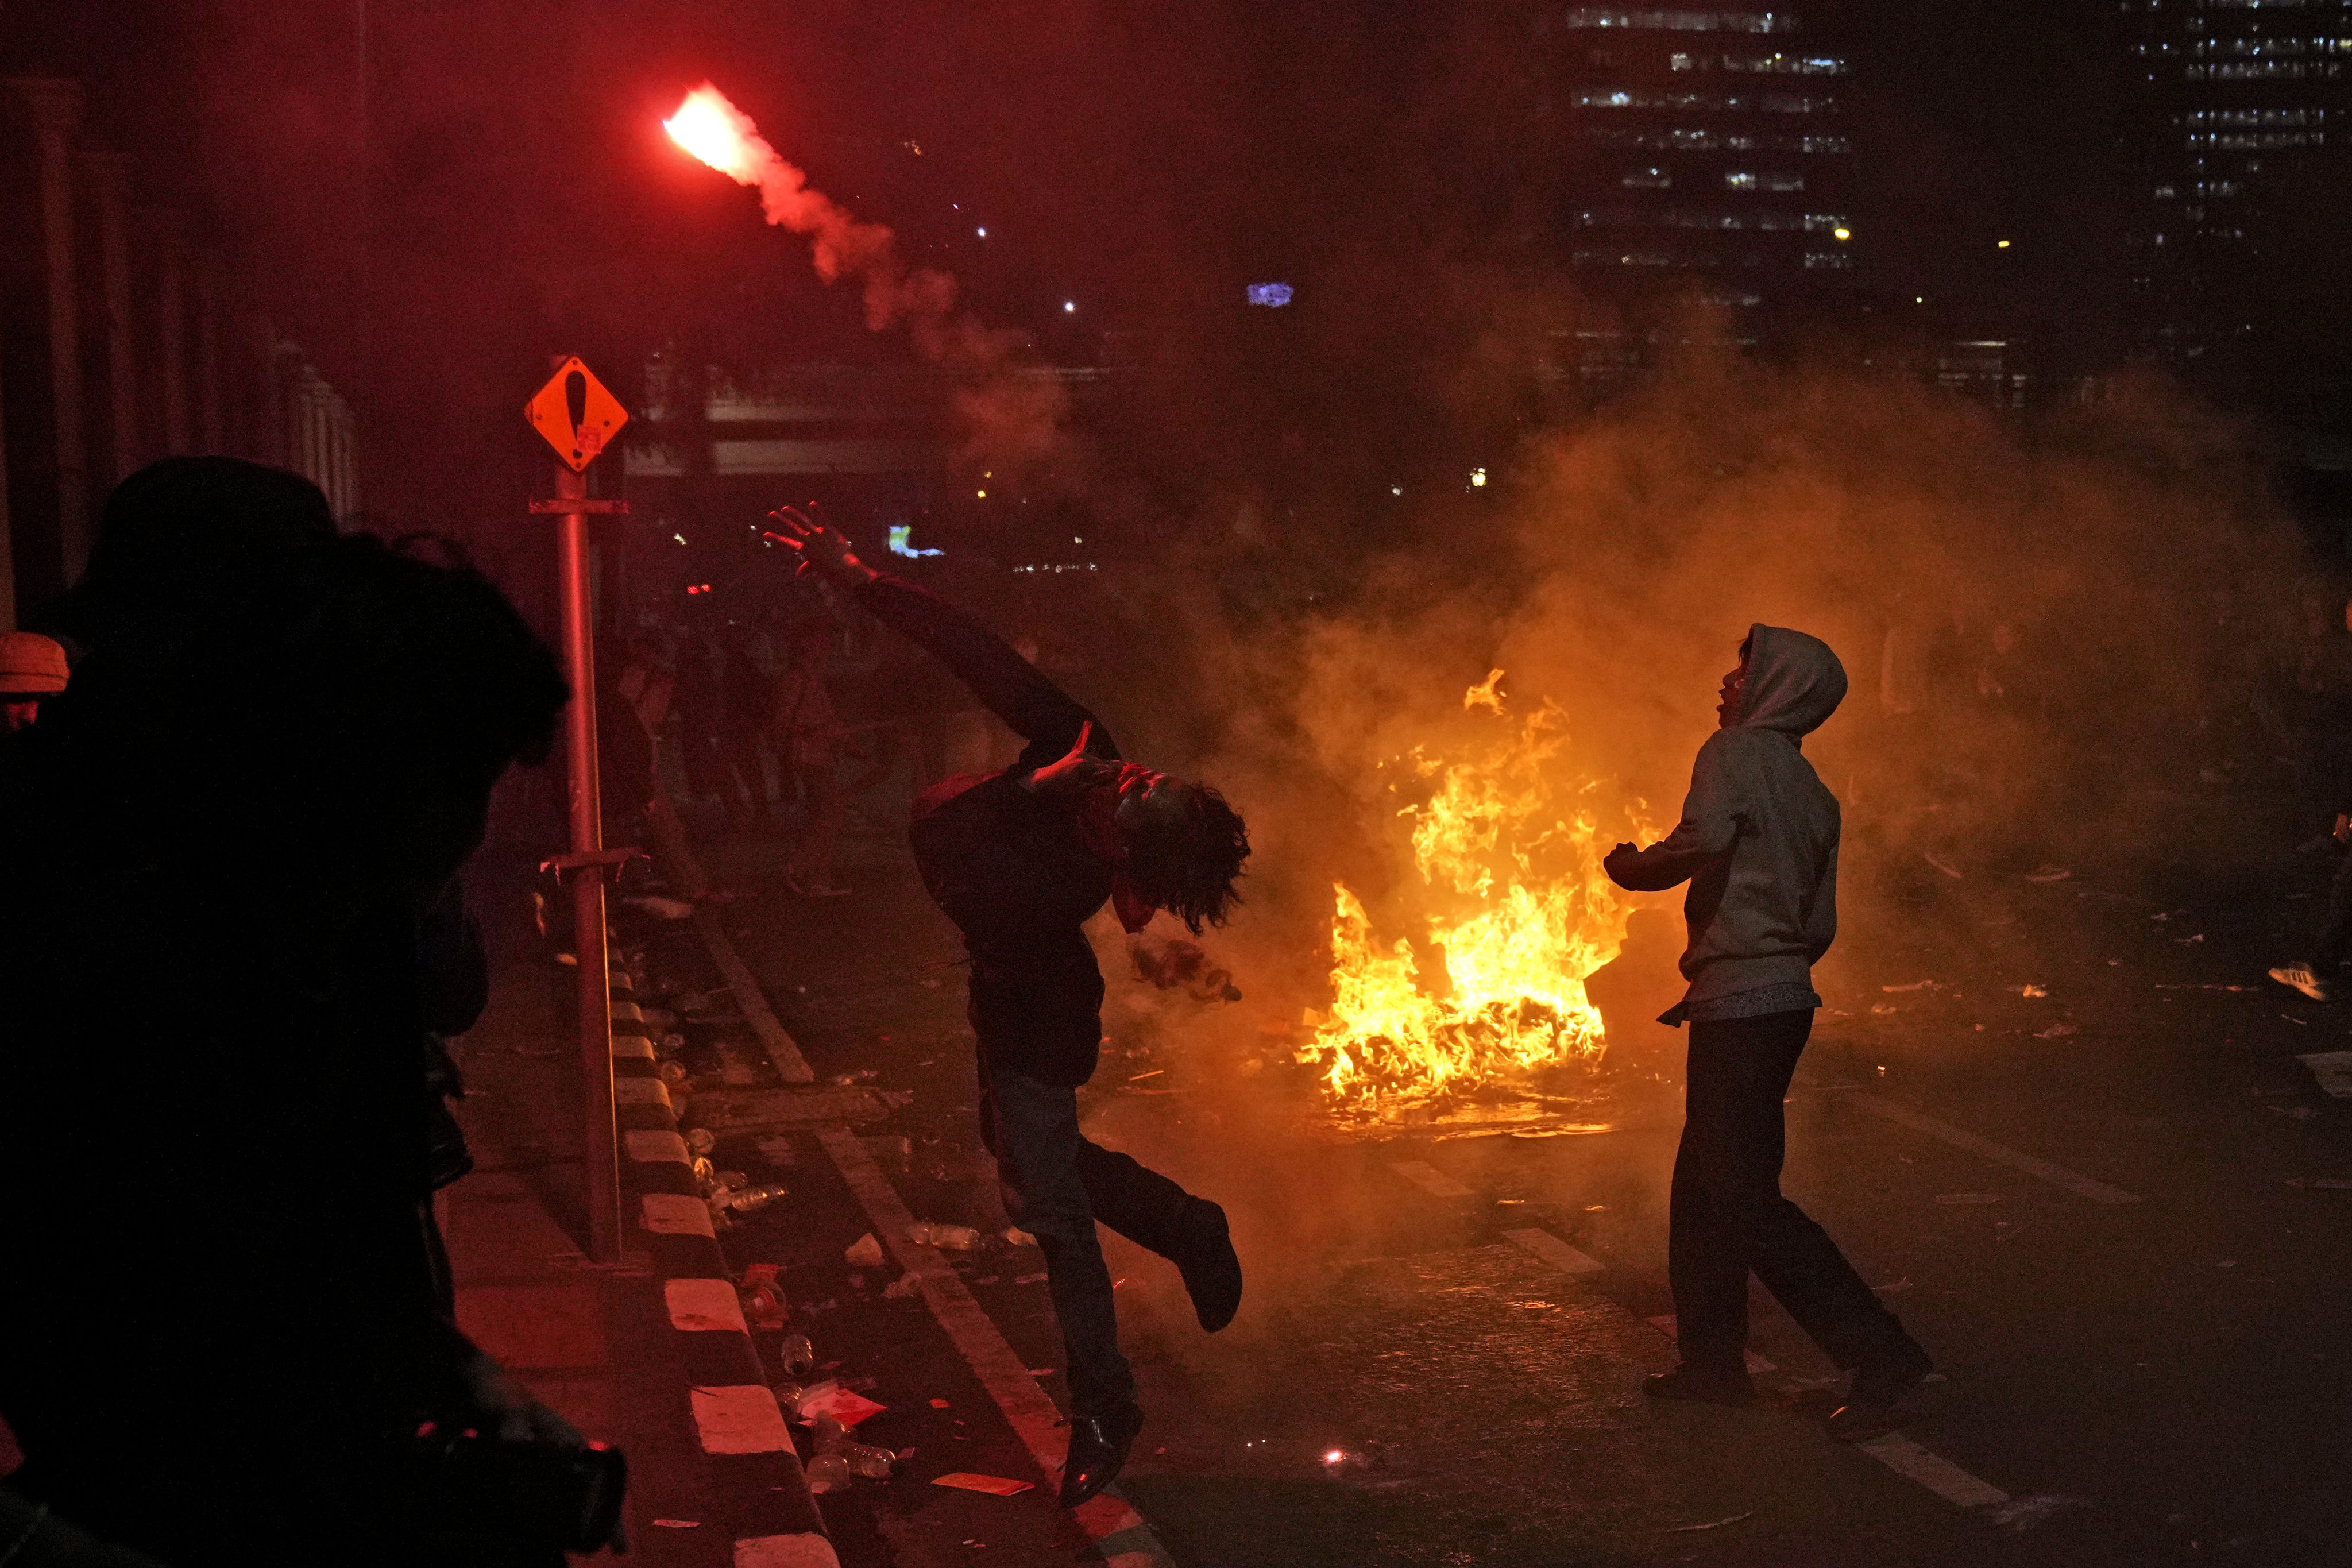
{"x": 724, "y": 137}
{"x": 1507, "y": 849}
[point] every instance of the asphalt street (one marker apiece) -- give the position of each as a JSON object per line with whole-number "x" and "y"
{"x": 2078, "y": 1160}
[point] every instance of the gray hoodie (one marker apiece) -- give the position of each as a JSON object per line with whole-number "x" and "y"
{"x": 1758, "y": 837}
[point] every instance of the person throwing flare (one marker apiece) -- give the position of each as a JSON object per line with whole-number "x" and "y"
{"x": 1758, "y": 844}
{"x": 1019, "y": 860}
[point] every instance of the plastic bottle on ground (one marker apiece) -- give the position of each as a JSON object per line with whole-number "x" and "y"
{"x": 799, "y": 1355}
{"x": 828, "y": 1473}
{"x": 865, "y": 1460}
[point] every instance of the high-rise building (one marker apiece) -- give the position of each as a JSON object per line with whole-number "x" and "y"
{"x": 1705, "y": 147}
{"x": 2237, "y": 117}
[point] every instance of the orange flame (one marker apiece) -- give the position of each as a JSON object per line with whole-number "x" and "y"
{"x": 721, "y": 135}
{"x": 1507, "y": 848}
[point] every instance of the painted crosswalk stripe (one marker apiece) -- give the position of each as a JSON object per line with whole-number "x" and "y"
{"x": 651, "y": 1145}
{"x": 1554, "y": 1251}
{"x": 676, "y": 1214}
{"x": 806, "y": 1551}
{"x": 1430, "y": 1179}
{"x": 697, "y": 1305}
{"x": 631, "y": 1048}
{"x": 1934, "y": 1472}
{"x": 1984, "y": 1148}
{"x": 741, "y": 1418}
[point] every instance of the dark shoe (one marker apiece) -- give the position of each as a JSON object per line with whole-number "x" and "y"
{"x": 1099, "y": 1447}
{"x": 1880, "y": 1387}
{"x": 1211, "y": 1269}
{"x": 1701, "y": 1385}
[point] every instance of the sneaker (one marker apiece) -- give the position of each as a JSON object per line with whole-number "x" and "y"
{"x": 1875, "y": 1405}
{"x": 1702, "y": 1386}
{"x": 2301, "y": 977}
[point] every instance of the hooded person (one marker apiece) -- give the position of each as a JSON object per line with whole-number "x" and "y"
{"x": 1758, "y": 845}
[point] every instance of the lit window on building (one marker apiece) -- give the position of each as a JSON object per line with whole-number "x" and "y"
{"x": 1650, "y": 179}
{"x": 1682, "y": 21}
{"x": 1740, "y": 181}
{"x": 1828, "y": 260}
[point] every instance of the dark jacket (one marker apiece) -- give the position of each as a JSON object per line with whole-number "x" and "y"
{"x": 1007, "y": 867}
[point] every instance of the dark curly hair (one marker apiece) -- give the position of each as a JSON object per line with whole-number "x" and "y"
{"x": 1189, "y": 863}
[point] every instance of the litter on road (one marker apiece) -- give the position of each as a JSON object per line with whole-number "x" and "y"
{"x": 1710, "y": 1524}
{"x": 994, "y": 1486}
{"x": 865, "y": 1252}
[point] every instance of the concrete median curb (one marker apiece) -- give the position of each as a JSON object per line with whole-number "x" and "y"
{"x": 767, "y": 1504}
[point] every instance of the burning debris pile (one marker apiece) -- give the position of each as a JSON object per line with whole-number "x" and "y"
{"x": 1506, "y": 843}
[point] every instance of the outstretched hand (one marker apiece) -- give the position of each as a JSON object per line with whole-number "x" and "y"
{"x": 1073, "y": 771}
{"x": 822, "y": 549}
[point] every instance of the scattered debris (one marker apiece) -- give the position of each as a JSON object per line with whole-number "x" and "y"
{"x": 2020, "y": 1514}
{"x": 797, "y": 1354}
{"x": 1018, "y": 1236}
{"x": 941, "y": 1405}
{"x": 2055, "y": 1032}
{"x": 1029, "y": 1279}
{"x": 901, "y": 1288}
{"x": 994, "y": 1486}
{"x": 954, "y": 1237}
{"x": 1139, "y": 1077}
{"x": 2031, "y": 990}
{"x": 1943, "y": 864}
{"x": 1902, "y": 1284}
{"x": 2332, "y": 1069}
{"x": 655, "y": 904}
{"x": 677, "y": 1524}
{"x": 2293, "y": 1019}
{"x": 830, "y": 1399}
{"x": 2047, "y": 874}
{"x": 762, "y": 1296}
{"x": 1718, "y": 1523}
{"x": 1914, "y": 986}
{"x": 2188, "y": 940}
{"x": 865, "y": 1252}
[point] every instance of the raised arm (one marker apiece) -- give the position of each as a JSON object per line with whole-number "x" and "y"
{"x": 1709, "y": 825}
{"x": 1012, "y": 687}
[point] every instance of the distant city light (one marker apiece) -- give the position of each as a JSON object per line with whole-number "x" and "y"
{"x": 981, "y": 494}
{"x": 1477, "y": 478}
{"x": 984, "y": 233}
{"x": 1274, "y": 295}
{"x": 902, "y": 536}
{"x": 679, "y": 537}
{"x": 1396, "y": 489}
{"x": 1841, "y": 232}
{"x": 1069, "y": 304}
{"x": 2002, "y": 245}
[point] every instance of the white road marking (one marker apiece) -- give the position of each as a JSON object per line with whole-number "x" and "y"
{"x": 1031, "y": 1412}
{"x": 651, "y": 1146}
{"x": 786, "y": 1551}
{"x": 676, "y": 1214}
{"x": 741, "y": 1418}
{"x": 627, "y": 1012}
{"x": 1984, "y": 1148}
{"x": 784, "y": 1054}
{"x": 700, "y": 1304}
{"x": 640, "y": 1092}
{"x": 631, "y": 1048}
{"x": 1555, "y": 1251}
{"x": 1934, "y": 1472}
{"x": 1430, "y": 1179}
{"x": 2334, "y": 1071}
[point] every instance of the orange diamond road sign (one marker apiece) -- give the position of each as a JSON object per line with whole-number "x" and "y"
{"x": 575, "y": 414}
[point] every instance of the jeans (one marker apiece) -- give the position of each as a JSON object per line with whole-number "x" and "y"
{"x": 2335, "y": 937}
{"x": 1057, "y": 1185}
{"x": 1729, "y": 1218}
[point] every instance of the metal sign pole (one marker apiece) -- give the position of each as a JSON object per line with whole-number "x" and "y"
{"x": 576, "y": 416}
{"x": 603, "y": 1146}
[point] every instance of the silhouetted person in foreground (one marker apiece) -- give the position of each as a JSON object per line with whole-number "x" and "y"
{"x": 223, "y": 1325}
{"x": 1019, "y": 860}
{"x": 1757, "y": 843}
